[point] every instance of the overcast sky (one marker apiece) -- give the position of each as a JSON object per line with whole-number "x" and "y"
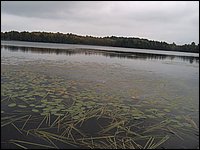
{"x": 163, "y": 21}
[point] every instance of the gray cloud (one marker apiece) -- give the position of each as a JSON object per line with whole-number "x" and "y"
{"x": 167, "y": 21}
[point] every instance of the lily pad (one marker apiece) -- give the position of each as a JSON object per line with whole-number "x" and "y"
{"x": 39, "y": 106}
{"x": 160, "y": 114}
{"x": 22, "y": 106}
{"x": 56, "y": 114}
{"x": 57, "y": 109}
{"x": 139, "y": 117}
{"x": 65, "y": 96}
{"x": 35, "y": 110}
{"x": 166, "y": 110}
{"x": 44, "y": 113}
{"x": 12, "y": 105}
{"x": 151, "y": 116}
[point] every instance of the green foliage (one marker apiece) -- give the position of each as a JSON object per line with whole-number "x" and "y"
{"x": 70, "y": 38}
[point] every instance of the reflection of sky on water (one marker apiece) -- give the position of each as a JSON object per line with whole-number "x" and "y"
{"x": 128, "y": 55}
{"x": 165, "y": 64}
{"x": 106, "y": 48}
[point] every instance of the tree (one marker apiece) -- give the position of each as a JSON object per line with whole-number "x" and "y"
{"x": 70, "y": 38}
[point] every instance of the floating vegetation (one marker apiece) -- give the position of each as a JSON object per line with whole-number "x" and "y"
{"x": 166, "y": 110}
{"x": 22, "y": 106}
{"x": 35, "y": 110}
{"x": 12, "y": 105}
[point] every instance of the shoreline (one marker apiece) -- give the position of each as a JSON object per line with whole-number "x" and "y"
{"x": 96, "y": 48}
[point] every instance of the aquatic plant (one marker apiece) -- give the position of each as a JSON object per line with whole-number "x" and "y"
{"x": 52, "y": 112}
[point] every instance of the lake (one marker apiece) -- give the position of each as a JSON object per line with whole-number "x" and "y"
{"x": 83, "y": 96}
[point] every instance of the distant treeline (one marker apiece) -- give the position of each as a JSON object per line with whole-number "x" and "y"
{"x": 70, "y": 38}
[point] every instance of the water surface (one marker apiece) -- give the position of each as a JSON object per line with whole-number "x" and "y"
{"x": 135, "y": 99}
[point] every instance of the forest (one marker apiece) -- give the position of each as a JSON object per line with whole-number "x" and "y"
{"x": 69, "y": 38}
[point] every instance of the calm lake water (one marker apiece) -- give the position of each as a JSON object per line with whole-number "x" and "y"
{"x": 80, "y": 96}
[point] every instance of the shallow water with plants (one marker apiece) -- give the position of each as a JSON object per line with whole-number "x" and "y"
{"x": 83, "y": 98}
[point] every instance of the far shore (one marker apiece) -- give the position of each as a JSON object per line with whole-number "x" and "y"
{"x": 96, "y": 48}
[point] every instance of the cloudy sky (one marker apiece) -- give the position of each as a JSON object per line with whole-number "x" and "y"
{"x": 163, "y": 21}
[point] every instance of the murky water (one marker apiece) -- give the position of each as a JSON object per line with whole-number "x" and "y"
{"x": 83, "y": 98}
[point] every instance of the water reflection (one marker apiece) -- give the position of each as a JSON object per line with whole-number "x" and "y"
{"x": 111, "y": 54}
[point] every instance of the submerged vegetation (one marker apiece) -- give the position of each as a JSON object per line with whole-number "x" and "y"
{"x": 69, "y": 38}
{"x": 50, "y": 111}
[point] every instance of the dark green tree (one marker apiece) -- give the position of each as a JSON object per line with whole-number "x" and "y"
{"x": 115, "y": 41}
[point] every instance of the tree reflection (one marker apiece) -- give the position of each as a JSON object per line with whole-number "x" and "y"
{"x": 106, "y": 53}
